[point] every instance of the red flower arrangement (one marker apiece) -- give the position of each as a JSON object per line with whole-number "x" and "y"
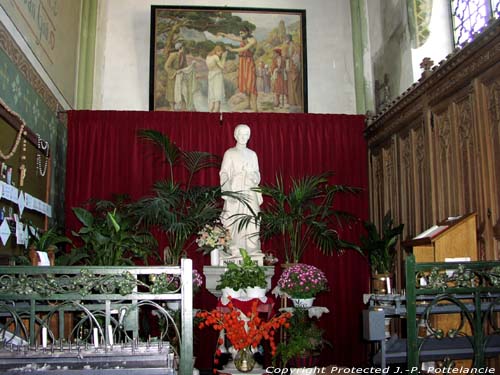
{"x": 244, "y": 330}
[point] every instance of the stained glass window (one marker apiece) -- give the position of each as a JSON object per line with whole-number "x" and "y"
{"x": 470, "y": 16}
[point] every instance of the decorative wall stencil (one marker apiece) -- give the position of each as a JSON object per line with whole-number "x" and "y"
{"x": 48, "y": 28}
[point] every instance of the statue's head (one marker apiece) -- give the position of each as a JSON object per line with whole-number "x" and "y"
{"x": 242, "y": 133}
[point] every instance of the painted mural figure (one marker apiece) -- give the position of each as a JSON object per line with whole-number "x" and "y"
{"x": 291, "y": 54}
{"x": 246, "y": 68}
{"x": 260, "y": 76}
{"x": 278, "y": 78}
{"x": 176, "y": 61}
{"x": 215, "y": 62}
{"x": 185, "y": 85}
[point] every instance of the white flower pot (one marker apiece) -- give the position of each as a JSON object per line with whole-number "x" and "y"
{"x": 255, "y": 292}
{"x": 230, "y": 292}
{"x": 214, "y": 257}
{"x": 174, "y": 305}
{"x": 303, "y": 302}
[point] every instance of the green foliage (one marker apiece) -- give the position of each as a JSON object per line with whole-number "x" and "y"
{"x": 303, "y": 215}
{"x": 52, "y": 239}
{"x": 49, "y": 239}
{"x": 380, "y": 248}
{"x": 303, "y": 338}
{"x": 180, "y": 210}
{"x": 109, "y": 236}
{"x": 248, "y": 274}
{"x": 170, "y": 24}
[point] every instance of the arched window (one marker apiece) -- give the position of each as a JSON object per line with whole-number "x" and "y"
{"x": 469, "y": 16}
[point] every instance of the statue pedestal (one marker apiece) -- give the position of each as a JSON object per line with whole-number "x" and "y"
{"x": 257, "y": 258}
{"x": 212, "y": 276}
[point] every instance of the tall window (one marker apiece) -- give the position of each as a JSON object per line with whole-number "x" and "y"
{"x": 469, "y": 16}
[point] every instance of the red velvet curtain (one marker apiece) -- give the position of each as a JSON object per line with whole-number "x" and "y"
{"x": 105, "y": 156}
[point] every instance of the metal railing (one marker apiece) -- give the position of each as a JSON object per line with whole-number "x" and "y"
{"x": 58, "y": 310}
{"x": 471, "y": 290}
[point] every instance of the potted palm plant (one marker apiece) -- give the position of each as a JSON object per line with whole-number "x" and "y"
{"x": 179, "y": 209}
{"x": 380, "y": 249}
{"x": 303, "y": 214}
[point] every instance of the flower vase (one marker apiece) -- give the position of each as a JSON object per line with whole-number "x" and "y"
{"x": 214, "y": 257}
{"x": 304, "y": 303}
{"x": 244, "y": 360}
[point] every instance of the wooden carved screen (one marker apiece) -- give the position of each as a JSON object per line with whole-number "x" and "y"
{"x": 435, "y": 152}
{"x": 489, "y": 90}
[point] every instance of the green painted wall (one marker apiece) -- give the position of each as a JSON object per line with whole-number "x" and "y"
{"x": 22, "y": 98}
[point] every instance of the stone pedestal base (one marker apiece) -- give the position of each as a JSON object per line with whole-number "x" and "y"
{"x": 258, "y": 258}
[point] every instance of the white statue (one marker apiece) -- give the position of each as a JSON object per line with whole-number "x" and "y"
{"x": 240, "y": 173}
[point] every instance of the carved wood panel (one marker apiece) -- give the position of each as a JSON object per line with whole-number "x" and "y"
{"x": 492, "y": 135}
{"x": 436, "y": 149}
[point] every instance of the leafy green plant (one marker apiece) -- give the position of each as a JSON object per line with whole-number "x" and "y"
{"x": 303, "y": 214}
{"x": 380, "y": 247}
{"x": 180, "y": 209}
{"x": 248, "y": 274}
{"x": 303, "y": 338}
{"x": 110, "y": 237}
{"x": 51, "y": 239}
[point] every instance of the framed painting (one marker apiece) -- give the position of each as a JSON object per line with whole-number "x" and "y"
{"x": 219, "y": 59}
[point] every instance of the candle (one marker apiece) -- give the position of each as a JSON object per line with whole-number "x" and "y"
{"x": 44, "y": 337}
{"x": 96, "y": 338}
{"x": 110, "y": 335}
{"x": 388, "y": 282}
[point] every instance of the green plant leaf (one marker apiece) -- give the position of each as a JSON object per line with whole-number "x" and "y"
{"x": 84, "y": 216}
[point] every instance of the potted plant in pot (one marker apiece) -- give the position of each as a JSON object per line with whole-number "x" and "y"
{"x": 302, "y": 215}
{"x": 302, "y": 282}
{"x": 303, "y": 343}
{"x": 245, "y": 280}
{"x": 48, "y": 242}
{"x": 380, "y": 249}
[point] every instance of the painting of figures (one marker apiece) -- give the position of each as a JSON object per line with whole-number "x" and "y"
{"x": 227, "y": 60}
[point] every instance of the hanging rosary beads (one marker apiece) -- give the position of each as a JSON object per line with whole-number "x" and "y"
{"x": 43, "y": 146}
{"x": 22, "y": 167}
{"x": 16, "y": 144}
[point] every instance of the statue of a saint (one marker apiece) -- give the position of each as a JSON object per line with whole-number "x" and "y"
{"x": 239, "y": 173}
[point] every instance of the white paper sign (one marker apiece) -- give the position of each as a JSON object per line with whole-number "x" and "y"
{"x": 28, "y": 199}
{"x": 21, "y": 203}
{"x": 4, "y": 232}
{"x": 9, "y": 192}
{"x": 19, "y": 233}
